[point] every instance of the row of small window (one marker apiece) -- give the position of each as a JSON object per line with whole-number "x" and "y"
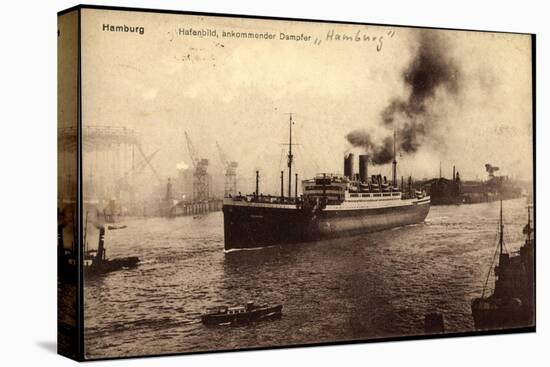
{"x": 374, "y": 195}
{"x": 326, "y": 188}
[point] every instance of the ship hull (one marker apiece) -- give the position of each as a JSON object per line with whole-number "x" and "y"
{"x": 257, "y": 314}
{"x": 493, "y": 313}
{"x": 250, "y": 226}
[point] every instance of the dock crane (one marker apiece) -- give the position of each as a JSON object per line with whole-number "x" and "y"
{"x": 147, "y": 162}
{"x": 144, "y": 163}
{"x": 491, "y": 169}
{"x": 230, "y": 183}
{"x": 200, "y": 175}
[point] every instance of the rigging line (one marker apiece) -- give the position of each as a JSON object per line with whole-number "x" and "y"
{"x": 314, "y": 118}
{"x": 294, "y": 167}
{"x": 301, "y": 155}
{"x": 296, "y": 132}
{"x": 489, "y": 274}
{"x": 491, "y": 267}
{"x": 303, "y": 151}
{"x": 281, "y": 157}
{"x": 504, "y": 235}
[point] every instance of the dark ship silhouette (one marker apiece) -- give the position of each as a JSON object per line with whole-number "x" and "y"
{"x": 512, "y": 303}
{"x": 224, "y": 315}
{"x": 456, "y": 191}
{"x": 94, "y": 261}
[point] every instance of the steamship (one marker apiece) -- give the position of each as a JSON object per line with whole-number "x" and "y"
{"x": 332, "y": 205}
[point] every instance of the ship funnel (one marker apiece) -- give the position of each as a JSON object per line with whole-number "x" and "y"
{"x": 363, "y": 168}
{"x": 101, "y": 244}
{"x": 349, "y": 171}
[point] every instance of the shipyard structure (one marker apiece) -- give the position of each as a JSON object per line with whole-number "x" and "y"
{"x": 331, "y": 205}
{"x": 190, "y": 193}
{"x": 115, "y": 168}
{"x": 120, "y": 178}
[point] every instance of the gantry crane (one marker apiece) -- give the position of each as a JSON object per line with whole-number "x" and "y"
{"x": 230, "y": 183}
{"x": 200, "y": 175}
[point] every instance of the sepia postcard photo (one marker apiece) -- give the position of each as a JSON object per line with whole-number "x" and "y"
{"x": 231, "y": 182}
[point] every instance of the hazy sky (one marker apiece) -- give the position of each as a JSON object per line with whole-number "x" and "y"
{"x": 237, "y": 91}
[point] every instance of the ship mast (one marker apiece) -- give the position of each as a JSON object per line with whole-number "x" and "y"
{"x": 290, "y": 156}
{"x": 394, "y": 165}
{"x": 528, "y": 224}
{"x": 501, "y": 238}
{"x": 500, "y": 247}
{"x": 86, "y": 234}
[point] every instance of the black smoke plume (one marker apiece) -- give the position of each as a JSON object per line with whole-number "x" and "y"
{"x": 431, "y": 71}
{"x": 380, "y": 153}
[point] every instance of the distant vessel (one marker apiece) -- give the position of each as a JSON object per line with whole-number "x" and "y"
{"x": 455, "y": 191}
{"x": 444, "y": 191}
{"x": 331, "y": 205}
{"x": 241, "y": 314}
{"x": 512, "y": 302}
{"x": 495, "y": 188}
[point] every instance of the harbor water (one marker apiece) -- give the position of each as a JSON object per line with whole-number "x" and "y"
{"x": 362, "y": 287}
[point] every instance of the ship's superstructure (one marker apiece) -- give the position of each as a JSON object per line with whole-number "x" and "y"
{"x": 331, "y": 205}
{"x": 512, "y": 303}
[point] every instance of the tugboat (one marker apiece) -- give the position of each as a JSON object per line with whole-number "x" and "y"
{"x": 512, "y": 303}
{"x": 224, "y": 315}
{"x": 94, "y": 261}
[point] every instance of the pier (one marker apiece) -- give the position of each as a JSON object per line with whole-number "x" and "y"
{"x": 181, "y": 209}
